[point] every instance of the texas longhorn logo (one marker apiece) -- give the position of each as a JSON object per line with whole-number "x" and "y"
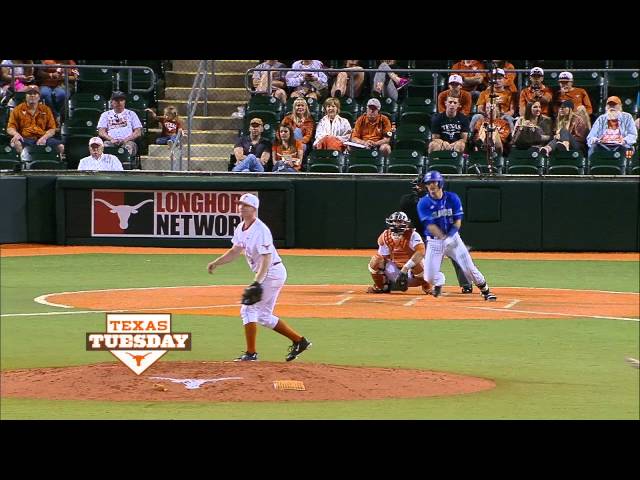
{"x": 138, "y": 340}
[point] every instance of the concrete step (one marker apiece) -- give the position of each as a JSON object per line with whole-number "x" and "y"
{"x": 217, "y": 123}
{"x": 234, "y": 65}
{"x": 197, "y": 150}
{"x": 222, "y": 80}
{"x": 214, "y": 136}
{"x": 239, "y": 95}
{"x": 214, "y": 107}
{"x": 185, "y": 65}
{"x": 201, "y": 164}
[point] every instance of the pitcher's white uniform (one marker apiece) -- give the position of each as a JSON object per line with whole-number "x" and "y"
{"x": 256, "y": 241}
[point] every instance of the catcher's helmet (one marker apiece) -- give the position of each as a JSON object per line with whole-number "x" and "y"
{"x": 434, "y": 176}
{"x": 398, "y": 222}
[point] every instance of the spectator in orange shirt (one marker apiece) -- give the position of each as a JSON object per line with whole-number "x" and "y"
{"x": 52, "y": 86}
{"x": 536, "y": 92}
{"x": 32, "y": 123}
{"x": 455, "y": 90}
{"x": 301, "y": 122}
{"x": 373, "y": 129}
{"x": 472, "y": 82}
{"x": 287, "y": 152}
{"x": 509, "y": 78}
{"x": 578, "y": 96}
{"x": 505, "y": 101}
{"x": 502, "y": 129}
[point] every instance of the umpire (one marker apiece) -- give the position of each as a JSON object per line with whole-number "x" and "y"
{"x": 408, "y": 204}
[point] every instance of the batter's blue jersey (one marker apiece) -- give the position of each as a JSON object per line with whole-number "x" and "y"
{"x": 443, "y": 212}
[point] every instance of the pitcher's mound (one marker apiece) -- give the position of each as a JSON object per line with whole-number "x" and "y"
{"x": 234, "y": 382}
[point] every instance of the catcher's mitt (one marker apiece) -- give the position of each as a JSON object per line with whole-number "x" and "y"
{"x": 252, "y": 294}
{"x": 402, "y": 282}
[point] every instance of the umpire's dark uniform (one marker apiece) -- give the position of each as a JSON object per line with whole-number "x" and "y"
{"x": 409, "y": 205}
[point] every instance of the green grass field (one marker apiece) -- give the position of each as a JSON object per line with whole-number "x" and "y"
{"x": 543, "y": 368}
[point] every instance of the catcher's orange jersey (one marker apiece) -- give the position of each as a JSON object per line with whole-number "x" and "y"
{"x": 402, "y": 249}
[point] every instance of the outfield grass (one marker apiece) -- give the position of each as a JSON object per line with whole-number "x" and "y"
{"x": 543, "y": 368}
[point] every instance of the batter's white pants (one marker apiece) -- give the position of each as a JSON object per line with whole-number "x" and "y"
{"x": 456, "y": 250}
{"x": 262, "y": 311}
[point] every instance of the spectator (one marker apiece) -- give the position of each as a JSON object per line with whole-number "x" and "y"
{"x": 578, "y": 96}
{"x": 343, "y": 81}
{"x": 613, "y": 130}
{"x": 120, "y": 126}
{"x": 502, "y": 129}
{"x": 252, "y": 152}
{"x": 52, "y": 84}
{"x": 505, "y": 101}
{"x": 32, "y": 123}
{"x": 309, "y": 84}
{"x": 472, "y": 82}
{"x": 536, "y": 92}
{"x": 372, "y": 129}
{"x": 98, "y": 160}
{"x": 571, "y": 131}
{"x": 509, "y": 78}
{"x": 171, "y": 123}
{"x": 261, "y": 80}
{"x": 533, "y": 130}
{"x": 333, "y": 130}
{"x": 301, "y": 122}
{"x": 287, "y": 152}
{"x": 388, "y": 83}
{"x": 22, "y": 76}
{"x": 455, "y": 90}
{"x": 449, "y": 129}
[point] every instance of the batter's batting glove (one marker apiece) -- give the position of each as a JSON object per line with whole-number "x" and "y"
{"x": 252, "y": 294}
{"x": 402, "y": 282}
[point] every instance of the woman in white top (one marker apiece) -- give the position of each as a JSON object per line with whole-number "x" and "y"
{"x": 332, "y": 130}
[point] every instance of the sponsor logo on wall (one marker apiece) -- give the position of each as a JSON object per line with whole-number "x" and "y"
{"x": 164, "y": 214}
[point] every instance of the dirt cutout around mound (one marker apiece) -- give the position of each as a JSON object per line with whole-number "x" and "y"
{"x": 233, "y": 382}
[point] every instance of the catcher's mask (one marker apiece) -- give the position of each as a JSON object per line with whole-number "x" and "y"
{"x": 398, "y": 222}
{"x": 418, "y": 186}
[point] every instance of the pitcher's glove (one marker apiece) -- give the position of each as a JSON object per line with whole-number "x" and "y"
{"x": 252, "y": 294}
{"x": 402, "y": 282}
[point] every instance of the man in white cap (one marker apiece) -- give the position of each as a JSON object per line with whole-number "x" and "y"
{"x": 98, "y": 160}
{"x": 455, "y": 89}
{"x": 578, "y": 96}
{"x": 254, "y": 238}
{"x": 536, "y": 92}
{"x": 372, "y": 129}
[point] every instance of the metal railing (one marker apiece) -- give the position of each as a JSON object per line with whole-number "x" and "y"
{"x": 200, "y": 85}
{"x": 521, "y": 72}
{"x": 66, "y": 68}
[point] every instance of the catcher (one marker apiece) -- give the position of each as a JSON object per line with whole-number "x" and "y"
{"x": 258, "y": 300}
{"x": 398, "y": 264}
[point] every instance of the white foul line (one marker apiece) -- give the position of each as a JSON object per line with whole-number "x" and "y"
{"x": 554, "y": 313}
{"x": 411, "y": 303}
{"x": 343, "y": 300}
{"x": 512, "y": 303}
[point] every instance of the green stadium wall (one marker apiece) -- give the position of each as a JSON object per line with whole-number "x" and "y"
{"x": 517, "y": 214}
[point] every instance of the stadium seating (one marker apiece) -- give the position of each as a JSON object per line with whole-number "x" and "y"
{"x": 122, "y": 154}
{"x": 446, "y": 161}
{"x": 477, "y": 163}
{"x": 329, "y": 161}
{"x": 603, "y": 162}
{"x": 98, "y": 80}
{"x": 365, "y": 160}
{"x": 262, "y": 103}
{"x": 528, "y": 162}
{"x": 405, "y": 161}
{"x": 417, "y": 110}
{"x": 566, "y": 163}
{"x": 87, "y": 101}
{"x": 412, "y": 137}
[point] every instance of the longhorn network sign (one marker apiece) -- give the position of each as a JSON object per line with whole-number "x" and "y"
{"x": 165, "y": 213}
{"x": 138, "y": 339}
